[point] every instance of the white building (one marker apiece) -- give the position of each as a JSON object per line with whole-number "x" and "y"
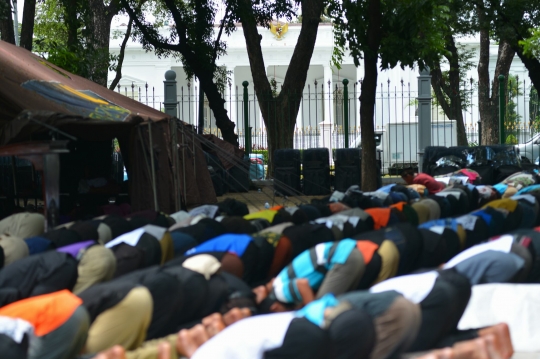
{"x": 395, "y": 97}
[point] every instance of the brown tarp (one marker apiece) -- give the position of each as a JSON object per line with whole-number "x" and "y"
{"x": 193, "y": 181}
{"x": 229, "y": 155}
{"x": 91, "y": 112}
{"x": 28, "y": 82}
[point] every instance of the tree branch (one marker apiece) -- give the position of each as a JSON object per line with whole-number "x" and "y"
{"x": 437, "y": 82}
{"x": 118, "y": 76}
{"x": 144, "y": 29}
{"x": 216, "y": 43}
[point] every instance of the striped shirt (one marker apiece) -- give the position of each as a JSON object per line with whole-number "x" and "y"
{"x": 312, "y": 264}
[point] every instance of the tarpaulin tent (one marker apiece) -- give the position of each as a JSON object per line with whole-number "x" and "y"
{"x": 168, "y": 162}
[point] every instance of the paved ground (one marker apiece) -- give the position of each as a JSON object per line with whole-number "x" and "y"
{"x": 257, "y": 199}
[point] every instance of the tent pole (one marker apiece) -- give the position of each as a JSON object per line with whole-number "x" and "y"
{"x": 194, "y": 156}
{"x": 184, "y": 164}
{"x": 154, "y": 190}
{"x": 14, "y": 173}
{"x": 174, "y": 153}
{"x": 144, "y": 151}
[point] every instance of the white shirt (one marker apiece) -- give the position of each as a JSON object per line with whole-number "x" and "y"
{"x": 414, "y": 287}
{"x": 15, "y": 328}
{"x": 503, "y": 244}
{"x": 249, "y": 338}
{"x": 131, "y": 238}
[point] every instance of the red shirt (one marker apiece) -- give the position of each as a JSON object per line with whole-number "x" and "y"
{"x": 431, "y": 184}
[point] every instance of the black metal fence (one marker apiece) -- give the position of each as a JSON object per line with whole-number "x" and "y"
{"x": 328, "y": 113}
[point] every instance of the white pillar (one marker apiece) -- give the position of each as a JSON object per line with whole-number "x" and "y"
{"x": 328, "y": 91}
{"x": 359, "y": 76}
{"x": 231, "y": 98}
{"x": 325, "y": 139}
{"x": 326, "y": 126}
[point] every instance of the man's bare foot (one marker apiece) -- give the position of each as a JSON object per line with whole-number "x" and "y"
{"x": 116, "y": 352}
{"x": 503, "y": 341}
{"x": 430, "y": 355}
{"x": 164, "y": 350}
{"x": 235, "y": 314}
{"x": 185, "y": 345}
{"x": 491, "y": 347}
{"x": 261, "y": 293}
{"x": 446, "y": 353}
{"x": 213, "y": 324}
{"x": 471, "y": 349}
{"x": 199, "y": 335}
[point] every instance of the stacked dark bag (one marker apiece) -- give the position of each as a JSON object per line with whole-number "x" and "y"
{"x": 287, "y": 172}
{"x": 348, "y": 168}
{"x": 308, "y": 172}
{"x": 493, "y": 163}
{"x": 316, "y": 168}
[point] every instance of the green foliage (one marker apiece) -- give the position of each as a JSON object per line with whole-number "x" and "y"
{"x": 534, "y": 111}
{"x": 51, "y": 40}
{"x": 273, "y": 85}
{"x": 513, "y": 90}
{"x": 263, "y": 152}
{"x": 465, "y": 57}
{"x": 531, "y": 45}
{"x": 511, "y": 140}
{"x": 193, "y": 33}
{"x": 222, "y": 78}
{"x": 411, "y": 30}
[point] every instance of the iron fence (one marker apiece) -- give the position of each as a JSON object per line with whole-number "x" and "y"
{"x": 329, "y": 113}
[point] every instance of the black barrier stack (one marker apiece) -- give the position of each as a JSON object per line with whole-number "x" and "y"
{"x": 287, "y": 172}
{"x": 347, "y": 168}
{"x": 316, "y": 171}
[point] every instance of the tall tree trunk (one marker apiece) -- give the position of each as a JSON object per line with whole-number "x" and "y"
{"x": 72, "y": 23}
{"x": 455, "y": 92}
{"x": 118, "y": 75}
{"x": 280, "y": 113}
{"x": 27, "y": 28}
{"x": 6, "y": 23}
{"x": 98, "y": 39}
{"x": 488, "y": 100}
{"x": 449, "y": 94}
{"x": 367, "y": 97}
{"x": 200, "y": 68}
{"x": 217, "y": 105}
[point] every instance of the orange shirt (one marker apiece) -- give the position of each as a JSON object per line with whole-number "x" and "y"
{"x": 380, "y": 216}
{"x": 368, "y": 249}
{"x": 398, "y": 206}
{"x": 45, "y": 312}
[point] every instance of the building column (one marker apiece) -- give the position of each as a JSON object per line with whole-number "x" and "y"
{"x": 328, "y": 95}
{"x": 326, "y": 127}
{"x": 230, "y": 101}
{"x": 359, "y": 76}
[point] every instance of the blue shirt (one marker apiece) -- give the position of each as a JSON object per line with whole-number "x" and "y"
{"x": 234, "y": 243}
{"x": 447, "y": 223}
{"x": 312, "y": 265}
{"x": 314, "y": 311}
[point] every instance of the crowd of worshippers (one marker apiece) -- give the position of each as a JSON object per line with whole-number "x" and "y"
{"x": 353, "y": 275}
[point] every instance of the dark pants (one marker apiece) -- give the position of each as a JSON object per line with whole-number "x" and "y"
{"x": 442, "y": 309}
{"x": 65, "y": 342}
{"x": 303, "y": 340}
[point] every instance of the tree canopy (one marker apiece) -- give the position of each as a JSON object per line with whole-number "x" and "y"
{"x": 386, "y": 34}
